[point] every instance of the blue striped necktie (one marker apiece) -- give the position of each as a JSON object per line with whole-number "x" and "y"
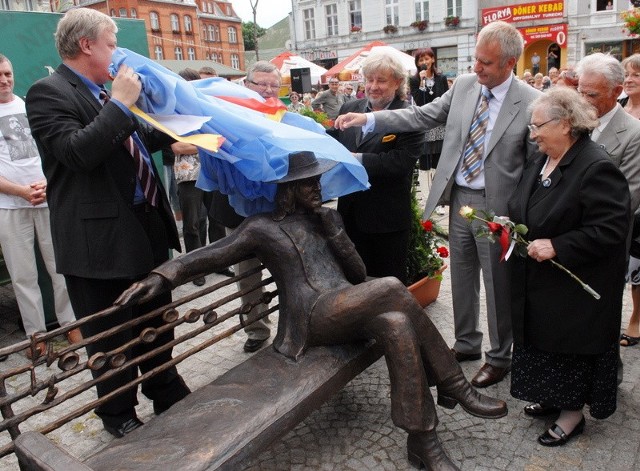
{"x": 474, "y": 150}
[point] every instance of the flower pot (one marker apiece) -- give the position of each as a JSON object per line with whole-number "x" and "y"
{"x": 427, "y": 289}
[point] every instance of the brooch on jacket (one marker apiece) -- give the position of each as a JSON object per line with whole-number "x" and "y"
{"x": 389, "y": 138}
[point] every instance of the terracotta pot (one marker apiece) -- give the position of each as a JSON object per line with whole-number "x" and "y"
{"x": 427, "y": 289}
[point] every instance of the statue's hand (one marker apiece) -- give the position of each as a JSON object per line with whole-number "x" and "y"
{"x": 141, "y": 291}
{"x": 330, "y": 220}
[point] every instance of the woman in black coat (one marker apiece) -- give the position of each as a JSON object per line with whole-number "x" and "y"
{"x": 575, "y": 203}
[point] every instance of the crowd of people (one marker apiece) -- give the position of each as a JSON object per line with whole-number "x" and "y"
{"x": 556, "y": 153}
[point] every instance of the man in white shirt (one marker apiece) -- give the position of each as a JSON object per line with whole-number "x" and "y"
{"x": 24, "y": 216}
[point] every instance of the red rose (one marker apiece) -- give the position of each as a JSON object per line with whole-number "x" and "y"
{"x": 443, "y": 252}
{"x": 494, "y": 227}
{"x": 427, "y": 225}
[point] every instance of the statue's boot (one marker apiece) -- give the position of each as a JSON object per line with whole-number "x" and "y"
{"x": 424, "y": 448}
{"x": 457, "y": 390}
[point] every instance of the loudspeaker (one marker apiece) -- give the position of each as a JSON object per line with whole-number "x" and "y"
{"x": 301, "y": 80}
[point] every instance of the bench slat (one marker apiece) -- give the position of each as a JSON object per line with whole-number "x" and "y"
{"x": 240, "y": 413}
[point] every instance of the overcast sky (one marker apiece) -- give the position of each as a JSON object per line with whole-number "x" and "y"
{"x": 269, "y": 12}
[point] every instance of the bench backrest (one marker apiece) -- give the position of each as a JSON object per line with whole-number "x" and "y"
{"x": 47, "y": 393}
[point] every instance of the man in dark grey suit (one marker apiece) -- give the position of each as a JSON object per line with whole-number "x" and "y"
{"x": 502, "y": 153}
{"x": 378, "y": 220}
{"x": 600, "y": 78}
{"x": 108, "y": 228}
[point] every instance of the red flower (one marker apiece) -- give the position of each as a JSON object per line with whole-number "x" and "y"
{"x": 494, "y": 227}
{"x": 443, "y": 252}
{"x": 427, "y": 225}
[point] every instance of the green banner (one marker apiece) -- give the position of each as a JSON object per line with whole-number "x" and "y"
{"x": 28, "y": 43}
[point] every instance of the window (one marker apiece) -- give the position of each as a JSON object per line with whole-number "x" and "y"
{"x": 178, "y": 53}
{"x": 235, "y": 61}
{"x": 604, "y": 5}
{"x": 216, "y": 33}
{"x": 309, "y": 24}
{"x": 233, "y": 37}
{"x": 175, "y": 23}
{"x": 392, "y": 12}
{"x": 210, "y": 33}
{"x": 157, "y": 52}
{"x": 422, "y": 10}
{"x": 331, "y": 12}
{"x": 28, "y": 5}
{"x": 217, "y": 56}
{"x": 191, "y": 54}
{"x": 155, "y": 21}
{"x": 187, "y": 24}
{"x": 122, "y": 12}
{"x": 454, "y": 7}
{"x": 355, "y": 14}
{"x": 4, "y": 5}
{"x": 134, "y": 13}
{"x": 112, "y": 12}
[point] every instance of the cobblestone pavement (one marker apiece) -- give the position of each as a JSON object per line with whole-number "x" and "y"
{"x": 353, "y": 431}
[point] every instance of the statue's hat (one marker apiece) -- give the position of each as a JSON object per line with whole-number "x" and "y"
{"x": 304, "y": 164}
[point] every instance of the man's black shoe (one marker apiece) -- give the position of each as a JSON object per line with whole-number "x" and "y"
{"x": 460, "y": 357}
{"x": 252, "y": 345}
{"x": 226, "y": 272}
{"x": 124, "y": 428}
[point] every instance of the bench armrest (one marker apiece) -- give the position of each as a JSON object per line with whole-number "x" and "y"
{"x": 37, "y": 453}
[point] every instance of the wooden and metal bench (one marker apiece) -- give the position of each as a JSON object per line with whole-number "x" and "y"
{"x": 221, "y": 424}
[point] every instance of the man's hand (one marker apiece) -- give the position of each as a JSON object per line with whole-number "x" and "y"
{"x": 350, "y": 120}
{"x": 37, "y": 193}
{"x": 541, "y": 250}
{"x": 142, "y": 291}
{"x": 183, "y": 148}
{"x": 126, "y": 86}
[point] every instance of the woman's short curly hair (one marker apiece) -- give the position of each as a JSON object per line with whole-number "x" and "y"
{"x": 567, "y": 104}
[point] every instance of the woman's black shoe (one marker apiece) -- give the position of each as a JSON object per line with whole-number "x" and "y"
{"x": 546, "y": 439}
{"x": 539, "y": 410}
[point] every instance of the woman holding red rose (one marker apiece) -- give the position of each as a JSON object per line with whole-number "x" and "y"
{"x": 575, "y": 203}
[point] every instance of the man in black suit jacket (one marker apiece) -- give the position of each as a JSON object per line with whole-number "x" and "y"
{"x": 378, "y": 220}
{"x": 107, "y": 232}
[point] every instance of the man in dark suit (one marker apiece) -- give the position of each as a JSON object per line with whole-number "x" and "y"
{"x": 378, "y": 220}
{"x": 499, "y": 158}
{"x": 108, "y": 228}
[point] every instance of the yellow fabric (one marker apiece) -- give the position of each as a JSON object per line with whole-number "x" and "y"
{"x": 210, "y": 142}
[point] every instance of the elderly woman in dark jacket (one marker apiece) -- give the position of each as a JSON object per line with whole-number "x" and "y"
{"x": 576, "y": 205}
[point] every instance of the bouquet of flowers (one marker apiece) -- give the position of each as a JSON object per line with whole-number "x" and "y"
{"x": 318, "y": 117}
{"x": 631, "y": 18}
{"x": 511, "y": 238}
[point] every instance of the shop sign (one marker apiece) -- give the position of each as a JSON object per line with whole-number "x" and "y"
{"x": 523, "y": 12}
{"x": 319, "y": 55}
{"x": 555, "y": 33}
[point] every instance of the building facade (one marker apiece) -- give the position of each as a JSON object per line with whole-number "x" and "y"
{"x": 187, "y": 30}
{"x": 327, "y": 31}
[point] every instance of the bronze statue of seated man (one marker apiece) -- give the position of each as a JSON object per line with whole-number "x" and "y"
{"x": 324, "y": 300}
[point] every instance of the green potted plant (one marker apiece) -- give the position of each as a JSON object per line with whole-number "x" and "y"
{"x": 390, "y": 29}
{"x": 452, "y": 21}
{"x": 420, "y": 25}
{"x": 425, "y": 260}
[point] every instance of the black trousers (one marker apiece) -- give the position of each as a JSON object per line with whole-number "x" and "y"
{"x": 383, "y": 254}
{"x": 88, "y": 296}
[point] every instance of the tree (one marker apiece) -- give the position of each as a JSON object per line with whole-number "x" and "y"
{"x": 248, "y": 29}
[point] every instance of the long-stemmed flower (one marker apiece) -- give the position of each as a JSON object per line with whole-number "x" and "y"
{"x": 511, "y": 237}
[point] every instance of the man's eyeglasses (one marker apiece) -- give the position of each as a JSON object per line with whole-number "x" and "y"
{"x": 264, "y": 86}
{"x": 536, "y": 127}
{"x": 592, "y": 95}
{"x": 334, "y": 83}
